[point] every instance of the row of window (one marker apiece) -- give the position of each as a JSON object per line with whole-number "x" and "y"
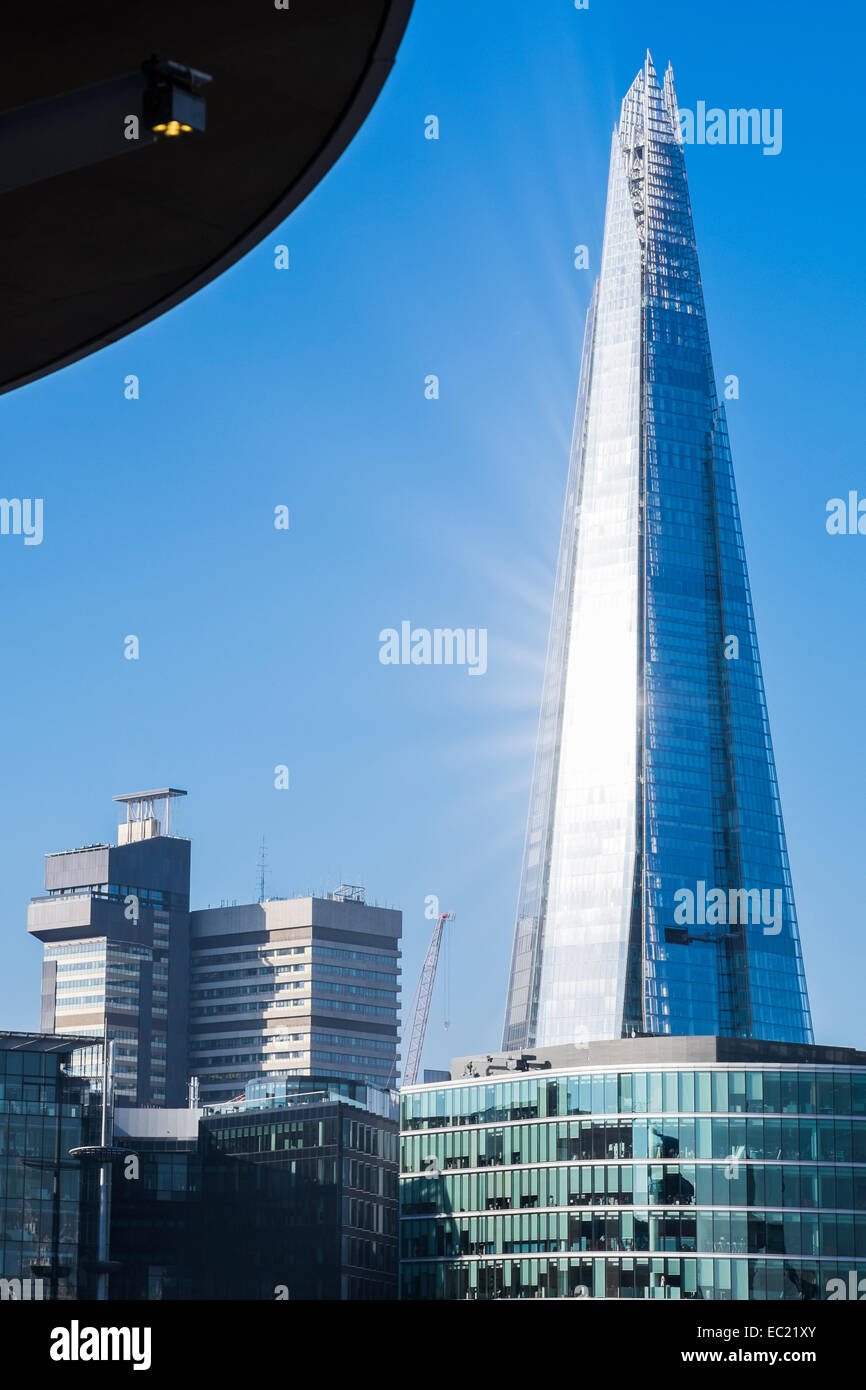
{"x": 807, "y": 1187}
{"x": 755, "y": 1138}
{"x": 342, "y": 1039}
{"x": 116, "y": 892}
{"x": 723, "y": 1092}
{"x": 233, "y": 991}
{"x": 44, "y": 1064}
{"x": 718, "y": 1279}
{"x": 95, "y": 947}
{"x": 370, "y": 1139}
{"x": 231, "y": 974}
{"x": 324, "y": 1005}
{"x": 728, "y": 1232}
{"x": 370, "y": 1216}
{"x": 379, "y": 1255}
{"x": 370, "y": 1177}
{"x": 230, "y": 958}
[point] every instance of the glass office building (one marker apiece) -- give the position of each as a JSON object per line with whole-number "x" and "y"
{"x": 47, "y": 1200}
{"x": 655, "y": 893}
{"x": 290, "y": 1192}
{"x": 664, "y": 1168}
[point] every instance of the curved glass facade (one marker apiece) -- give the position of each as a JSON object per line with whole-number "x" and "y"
{"x": 713, "y": 1182}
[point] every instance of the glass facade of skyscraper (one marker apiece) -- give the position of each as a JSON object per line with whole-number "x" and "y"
{"x": 656, "y": 894}
{"x": 681, "y": 1181}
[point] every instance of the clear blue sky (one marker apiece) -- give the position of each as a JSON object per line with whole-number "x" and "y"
{"x": 305, "y": 388}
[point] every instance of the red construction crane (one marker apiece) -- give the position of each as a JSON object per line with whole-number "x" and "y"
{"x": 420, "y": 1010}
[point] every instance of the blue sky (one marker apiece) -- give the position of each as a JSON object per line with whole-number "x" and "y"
{"x": 306, "y": 388}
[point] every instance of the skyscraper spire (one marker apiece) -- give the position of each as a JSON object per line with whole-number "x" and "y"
{"x": 655, "y": 894}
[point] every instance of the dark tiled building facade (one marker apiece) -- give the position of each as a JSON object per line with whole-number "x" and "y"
{"x": 291, "y": 1193}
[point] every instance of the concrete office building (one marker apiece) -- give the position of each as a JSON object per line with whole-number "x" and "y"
{"x": 115, "y": 930}
{"x": 299, "y": 986}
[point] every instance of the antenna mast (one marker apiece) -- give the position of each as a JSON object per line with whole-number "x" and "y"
{"x": 262, "y": 865}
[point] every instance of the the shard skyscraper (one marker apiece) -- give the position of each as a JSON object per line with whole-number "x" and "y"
{"x": 655, "y": 894}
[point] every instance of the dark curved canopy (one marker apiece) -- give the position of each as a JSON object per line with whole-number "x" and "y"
{"x": 95, "y": 252}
